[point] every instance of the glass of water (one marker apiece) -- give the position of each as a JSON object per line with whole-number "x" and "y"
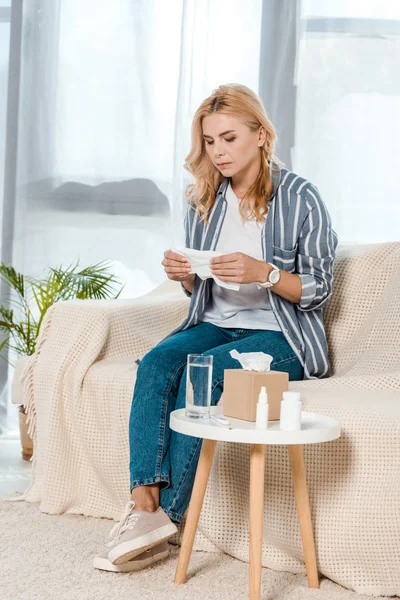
{"x": 198, "y": 385}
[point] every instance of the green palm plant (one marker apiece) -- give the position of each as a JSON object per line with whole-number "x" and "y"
{"x": 61, "y": 284}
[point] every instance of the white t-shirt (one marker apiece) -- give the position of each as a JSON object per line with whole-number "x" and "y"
{"x": 248, "y": 307}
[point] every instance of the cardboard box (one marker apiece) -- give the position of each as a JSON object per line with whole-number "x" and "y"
{"x": 242, "y": 388}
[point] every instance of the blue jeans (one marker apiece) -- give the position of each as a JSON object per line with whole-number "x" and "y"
{"x": 158, "y": 454}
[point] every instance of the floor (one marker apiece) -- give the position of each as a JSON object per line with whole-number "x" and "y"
{"x": 14, "y": 478}
{"x": 15, "y": 472}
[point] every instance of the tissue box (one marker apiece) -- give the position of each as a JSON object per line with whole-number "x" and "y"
{"x": 241, "y": 390}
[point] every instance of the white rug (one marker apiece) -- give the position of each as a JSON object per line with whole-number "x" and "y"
{"x": 49, "y": 557}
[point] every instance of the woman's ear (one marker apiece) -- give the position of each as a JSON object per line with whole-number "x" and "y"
{"x": 262, "y": 135}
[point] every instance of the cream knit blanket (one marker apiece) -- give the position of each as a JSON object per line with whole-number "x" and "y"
{"x": 78, "y": 392}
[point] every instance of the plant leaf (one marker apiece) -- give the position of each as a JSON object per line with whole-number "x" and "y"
{"x": 15, "y": 280}
{"x": 61, "y": 284}
{"x": 90, "y": 282}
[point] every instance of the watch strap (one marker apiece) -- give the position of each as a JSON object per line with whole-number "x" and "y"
{"x": 268, "y": 283}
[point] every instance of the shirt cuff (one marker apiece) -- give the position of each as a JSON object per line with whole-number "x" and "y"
{"x": 308, "y": 289}
{"x": 188, "y": 294}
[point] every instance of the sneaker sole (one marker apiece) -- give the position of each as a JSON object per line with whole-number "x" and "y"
{"x": 127, "y": 550}
{"x": 105, "y": 565}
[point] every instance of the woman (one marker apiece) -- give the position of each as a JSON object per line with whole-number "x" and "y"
{"x": 275, "y": 236}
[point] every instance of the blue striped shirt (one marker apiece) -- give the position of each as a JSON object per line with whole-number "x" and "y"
{"x": 297, "y": 237}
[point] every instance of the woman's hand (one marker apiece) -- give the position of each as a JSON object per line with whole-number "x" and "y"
{"x": 239, "y": 268}
{"x": 177, "y": 267}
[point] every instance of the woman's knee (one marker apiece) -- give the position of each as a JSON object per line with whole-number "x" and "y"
{"x": 159, "y": 359}
{"x": 292, "y": 366}
{"x": 159, "y": 367}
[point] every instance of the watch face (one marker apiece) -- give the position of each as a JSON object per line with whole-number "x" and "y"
{"x": 274, "y": 276}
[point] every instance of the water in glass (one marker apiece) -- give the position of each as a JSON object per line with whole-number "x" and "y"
{"x": 198, "y": 385}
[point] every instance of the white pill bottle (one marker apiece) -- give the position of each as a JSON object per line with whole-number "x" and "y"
{"x": 290, "y": 411}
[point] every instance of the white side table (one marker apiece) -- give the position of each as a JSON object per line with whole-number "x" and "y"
{"x": 315, "y": 428}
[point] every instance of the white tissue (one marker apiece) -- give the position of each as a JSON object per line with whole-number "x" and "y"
{"x": 200, "y": 263}
{"x": 253, "y": 361}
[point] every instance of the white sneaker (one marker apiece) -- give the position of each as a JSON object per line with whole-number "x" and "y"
{"x": 137, "y": 531}
{"x": 147, "y": 558}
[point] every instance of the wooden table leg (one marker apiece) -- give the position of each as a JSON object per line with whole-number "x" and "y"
{"x": 194, "y": 510}
{"x": 257, "y": 463}
{"x": 303, "y": 510}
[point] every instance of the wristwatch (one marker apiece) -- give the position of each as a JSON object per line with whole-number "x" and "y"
{"x": 273, "y": 277}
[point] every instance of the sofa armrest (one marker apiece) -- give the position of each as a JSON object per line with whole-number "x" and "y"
{"x": 73, "y": 336}
{"x": 136, "y": 328}
{"x": 128, "y": 326}
{"x": 77, "y": 333}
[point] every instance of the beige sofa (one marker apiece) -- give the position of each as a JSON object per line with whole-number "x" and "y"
{"x": 78, "y": 391}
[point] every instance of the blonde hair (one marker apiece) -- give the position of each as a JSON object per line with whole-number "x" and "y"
{"x": 239, "y": 101}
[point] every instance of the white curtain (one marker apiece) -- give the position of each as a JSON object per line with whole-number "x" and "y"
{"x": 107, "y": 95}
{"x": 347, "y": 119}
{"x": 108, "y": 91}
{"x": 5, "y": 18}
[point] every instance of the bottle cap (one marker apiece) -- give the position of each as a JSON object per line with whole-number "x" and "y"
{"x": 262, "y": 397}
{"x": 292, "y": 396}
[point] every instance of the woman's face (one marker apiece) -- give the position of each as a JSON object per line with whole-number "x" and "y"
{"x": 228, "y": 140}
